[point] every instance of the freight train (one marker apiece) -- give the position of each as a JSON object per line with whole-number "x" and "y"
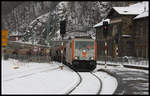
{"x": 78, "y": 53}
{"x": 23, "y": 49}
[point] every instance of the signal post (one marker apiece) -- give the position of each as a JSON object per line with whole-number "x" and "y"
{"x": 105, "y": 48}
{"x": 62, "y": 32}
{"x": 105, "y": 33}
{"x": 116, "y": 40}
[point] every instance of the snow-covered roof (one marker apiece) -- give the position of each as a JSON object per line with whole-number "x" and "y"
{"x": 16, "y": 34}
{"x": 42, "y": 18}
{"x": 141, "y": 9}
{"x": 101, "y": 23}
{"x": 126, "y": 35}
{"x": 142, "y": 15}
{"x": 134, "y": 9}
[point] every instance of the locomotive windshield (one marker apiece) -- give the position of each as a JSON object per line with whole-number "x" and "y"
{"x": 84, "y": 44}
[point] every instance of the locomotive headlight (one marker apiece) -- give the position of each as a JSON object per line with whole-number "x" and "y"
{"x": 76, "y": 57}
{"x": 91, "y": 58}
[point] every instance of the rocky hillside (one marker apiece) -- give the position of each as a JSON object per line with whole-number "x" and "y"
{"x": 41, "y": 19}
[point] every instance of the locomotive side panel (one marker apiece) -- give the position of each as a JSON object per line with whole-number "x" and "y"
{"x": 81, "y": 53}
{"x": 95, "y": 50}
{"x": 69, "y": 53}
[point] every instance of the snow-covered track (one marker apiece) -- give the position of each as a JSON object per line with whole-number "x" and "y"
{"x": 87, "y": 84}
{"x": 80, "y": 80}
{"x": 107, "y": 79}
{"x": 100, "y": 81}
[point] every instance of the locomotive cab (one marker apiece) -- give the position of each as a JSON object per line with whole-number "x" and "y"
{"x": 83, "y": 53}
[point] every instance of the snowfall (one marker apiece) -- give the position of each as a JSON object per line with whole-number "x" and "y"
{"x": 47, "y": 78}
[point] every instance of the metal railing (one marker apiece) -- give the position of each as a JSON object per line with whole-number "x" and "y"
{"x": 125, "y": 61}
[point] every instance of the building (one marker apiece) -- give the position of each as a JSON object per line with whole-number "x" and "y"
{"x": 122, "y": 34}
{"x": 100, "y": 39}
{"x": 141, "y": 29}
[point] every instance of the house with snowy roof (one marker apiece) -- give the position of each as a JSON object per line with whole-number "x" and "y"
{"x": 122, "y": 30}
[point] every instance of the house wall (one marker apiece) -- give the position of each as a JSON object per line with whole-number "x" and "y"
{"x": 141, "y": 37}
{"x": 132, "y": 36}
{"x": 113, "y": 30}
{"x": 136, "y": 45}
{"x": 127, "y": 42}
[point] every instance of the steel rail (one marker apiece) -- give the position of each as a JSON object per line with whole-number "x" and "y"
{"x": 77, "y": 84}
{"x": 100, "y": 81}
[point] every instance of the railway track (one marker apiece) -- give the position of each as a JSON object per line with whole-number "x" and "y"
{"x": 100, "y": 81}
{"x": 77, "y": 84}
{"x": 79, "y": 87}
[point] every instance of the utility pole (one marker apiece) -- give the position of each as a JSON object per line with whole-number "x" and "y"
{"x": 116, "y": 40}
{"x": 116, "y": 52}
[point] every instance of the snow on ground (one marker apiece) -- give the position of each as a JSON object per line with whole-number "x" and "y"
{"x": 8, "y": 66}
{"x": 134, "y": 81}
{"x": 99, "y": 66}
{"x": 35, "y": 79}
{"x": 130, "y": 63}
{"x": 48, "y": 78}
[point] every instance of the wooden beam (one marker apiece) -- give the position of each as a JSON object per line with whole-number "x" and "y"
{"x": 116, "y": 20}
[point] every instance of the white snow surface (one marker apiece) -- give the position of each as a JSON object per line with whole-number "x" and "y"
{"x": 20, "y": 42}
{"x": 48, "y": 78}
{"x": 134, "y": 9}
{"x": 36, "y": 78}
{"x": 109, "y": 83}
{"x": 130, "y": 63}
{"x": 142, "y": 15}
{"x": 89, "y": 84}
{"x": 42, "y": 18}
{"x": 121, "y": 68}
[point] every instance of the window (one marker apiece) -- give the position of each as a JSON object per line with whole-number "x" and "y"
{"x": 84, "y": 44}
